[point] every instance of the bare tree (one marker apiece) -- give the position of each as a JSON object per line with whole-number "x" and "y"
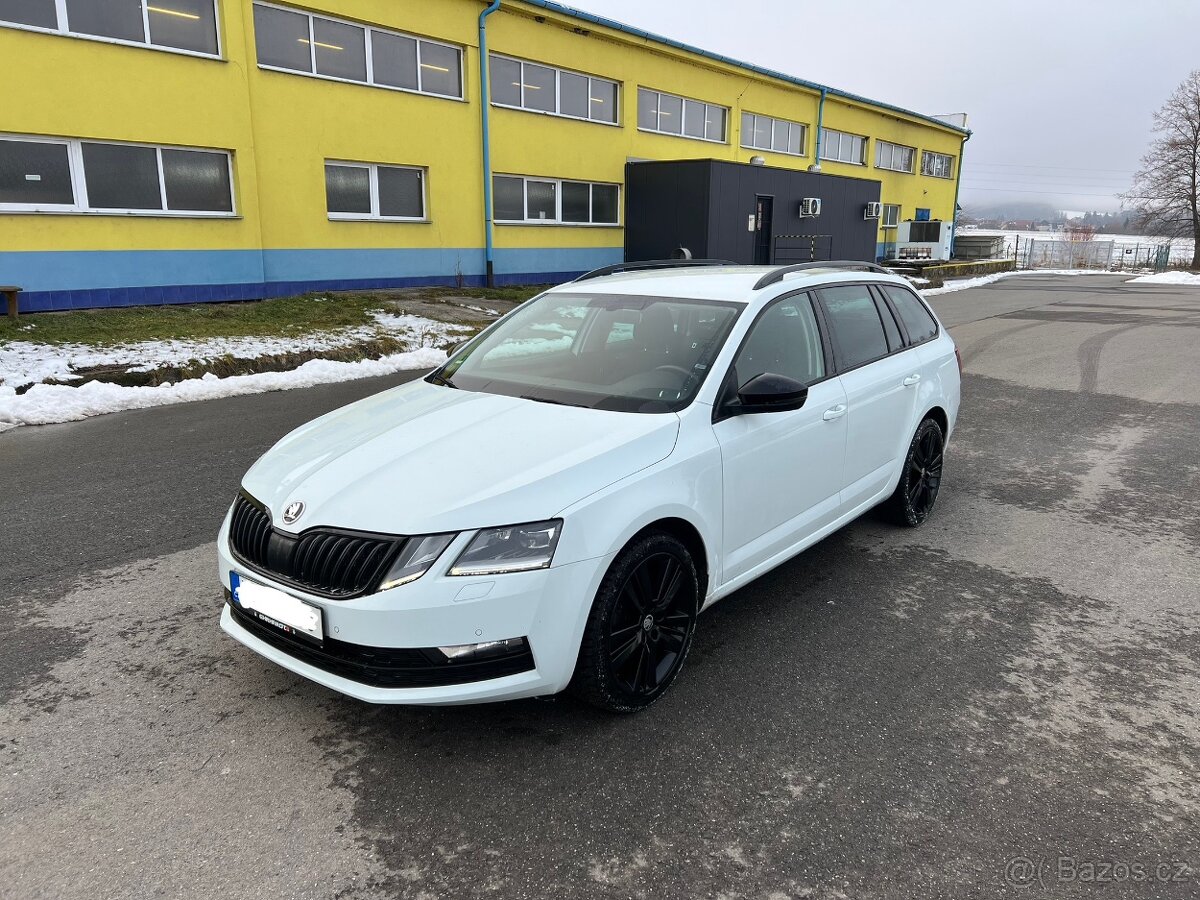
{"x": 1078, "y": 232}
{"x": 1165, "y": 196}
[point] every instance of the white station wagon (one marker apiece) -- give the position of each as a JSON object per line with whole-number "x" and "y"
{"x": 553, "y": 507}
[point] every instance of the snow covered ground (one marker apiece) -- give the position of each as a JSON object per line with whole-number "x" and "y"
{"x": 1167, "y": 278}
{"x": 962, "y": 284}
{"x": 45, "y": 404}
{"x": 23, "y": 362}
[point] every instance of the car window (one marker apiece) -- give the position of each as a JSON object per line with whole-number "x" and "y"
{"x": 895, "y": 342}
{"x": 554, "y": 334}
{"x": 919, "y": 324}
{"x": 606, "y": 351}
{"x": 857, "y": 330}
{"x": 784, "y": 341}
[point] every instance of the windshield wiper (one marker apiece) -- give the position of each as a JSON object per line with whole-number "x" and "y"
{"x": 439, "y": 378}
{"x": 554, "y": 402}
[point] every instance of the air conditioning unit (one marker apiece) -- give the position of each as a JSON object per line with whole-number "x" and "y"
{"x": 810, "y": 207}
{"x": 874, "y": 211}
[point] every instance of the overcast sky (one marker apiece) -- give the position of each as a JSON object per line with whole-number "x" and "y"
{"x": 1059, "y": 93}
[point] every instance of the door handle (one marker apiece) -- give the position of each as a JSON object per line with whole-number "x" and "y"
{"x": 912, "y": 379}
{"x": 834, "y": 412}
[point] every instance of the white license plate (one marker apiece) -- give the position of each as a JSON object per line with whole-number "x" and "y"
{"x": 281, "y": 611}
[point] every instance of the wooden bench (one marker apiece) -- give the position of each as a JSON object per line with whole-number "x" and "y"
{"x": 10, "y": 293}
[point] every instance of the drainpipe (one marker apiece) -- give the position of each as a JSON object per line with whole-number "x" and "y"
{"x": 488, "y": 252}
{"x": 816, "y": 165}
{"x": 957, "y": 184}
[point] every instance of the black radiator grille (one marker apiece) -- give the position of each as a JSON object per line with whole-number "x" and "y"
{"x": 330, "y": 562}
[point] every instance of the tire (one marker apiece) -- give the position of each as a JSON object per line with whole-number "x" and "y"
{"x": 921, "y": 476}
{"x": 640, "y": 628}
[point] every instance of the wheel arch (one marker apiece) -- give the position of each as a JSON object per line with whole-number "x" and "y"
{"x": 938, "y": 414}
{"x": 688, "y": 535}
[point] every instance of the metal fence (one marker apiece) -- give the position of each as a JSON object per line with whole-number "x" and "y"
{"x": 1041, "y": 254}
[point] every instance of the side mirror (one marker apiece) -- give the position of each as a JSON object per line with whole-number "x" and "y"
{"x": 769, "y": 392}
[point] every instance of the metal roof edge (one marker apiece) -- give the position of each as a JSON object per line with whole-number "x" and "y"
{"x": 604, "y": 22}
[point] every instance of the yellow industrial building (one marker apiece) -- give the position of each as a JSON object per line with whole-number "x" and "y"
{"x": 185, "y": 150}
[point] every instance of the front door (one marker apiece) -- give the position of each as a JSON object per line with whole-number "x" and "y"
{"x": 762, "y": 230}
{"x": 782, "y": 471}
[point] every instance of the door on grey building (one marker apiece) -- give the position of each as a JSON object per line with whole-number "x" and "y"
{"x": 762, "y": 230}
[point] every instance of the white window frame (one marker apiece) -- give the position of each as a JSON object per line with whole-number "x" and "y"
{"x": 60, "y": 11}
{"x": 367, "y": 29}
{"x": 880, "y": 144}
{"x": 747, "y": 141}
{"x": 894, "y": 208}
{"x": 558, "y": 194}
{"x": 682, "y": 125}
{"x": 938, "y": 160}
{"x": 558, "y": 70}
{"x": 826, "y": 132}
{"x": 79, "y": 183}
{"x": 374, "y": 215}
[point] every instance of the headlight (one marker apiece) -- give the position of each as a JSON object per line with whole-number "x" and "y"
{"x": 416, "y": 556}
{"x": 514, "y": 548}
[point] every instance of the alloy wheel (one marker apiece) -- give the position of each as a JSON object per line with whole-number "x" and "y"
{"x": 925, "y": 472}
{"x": 651, "y": 623}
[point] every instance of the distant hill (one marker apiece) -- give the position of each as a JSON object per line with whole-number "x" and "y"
{"x": 1009, "y": 210}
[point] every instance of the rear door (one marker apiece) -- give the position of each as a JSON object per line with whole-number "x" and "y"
{"x": 879, "y": 374}
{"x": 782, "y": 471}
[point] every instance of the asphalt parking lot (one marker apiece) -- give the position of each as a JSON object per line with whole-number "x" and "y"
{"x": 1005, "y": 702}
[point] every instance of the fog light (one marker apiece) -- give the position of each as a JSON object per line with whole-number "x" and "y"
{"x": 465, "y": 652}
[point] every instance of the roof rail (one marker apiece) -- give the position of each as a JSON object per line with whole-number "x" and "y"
{"x": 652, "y": 264}
{"x": 854, "y": 265}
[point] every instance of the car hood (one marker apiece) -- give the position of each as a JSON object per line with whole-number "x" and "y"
{"x": 422, "y": 458}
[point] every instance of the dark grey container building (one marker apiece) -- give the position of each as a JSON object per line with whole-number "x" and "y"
{"x": 745, "y": 213}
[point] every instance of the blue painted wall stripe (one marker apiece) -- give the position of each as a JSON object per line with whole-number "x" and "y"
{"x": 66, "y": 270}
{"x": 59, "y": 280}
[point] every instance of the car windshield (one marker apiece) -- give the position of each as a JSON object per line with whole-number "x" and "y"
{"x": 605, "y": 351}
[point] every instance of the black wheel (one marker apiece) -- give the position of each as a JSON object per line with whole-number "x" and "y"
{"x": 640, "y": 627}
{"x": 922, "y": 476}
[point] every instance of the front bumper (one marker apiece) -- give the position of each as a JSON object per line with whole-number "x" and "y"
{"x": 548, "y": 608}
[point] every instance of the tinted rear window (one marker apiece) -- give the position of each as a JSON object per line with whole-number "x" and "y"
{"x": 857, "y": 330}
{"x": 916, "y": 318}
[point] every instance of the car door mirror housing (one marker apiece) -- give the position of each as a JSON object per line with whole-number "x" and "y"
{"x": 769, "y": 392}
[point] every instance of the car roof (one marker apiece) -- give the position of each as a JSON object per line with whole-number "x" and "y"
{"x": 732, "y": 283}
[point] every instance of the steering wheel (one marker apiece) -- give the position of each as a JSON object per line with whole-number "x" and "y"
{"x": 679, "y": 370}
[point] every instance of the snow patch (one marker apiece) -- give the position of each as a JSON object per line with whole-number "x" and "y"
{"x": 963, "y": 283}
{"x": 22, "y": 362}
{"x": 1167, "y": 278}
{"x": 45, "y": 404}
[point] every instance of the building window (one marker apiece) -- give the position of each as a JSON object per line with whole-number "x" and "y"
{"x": 324, "y": 47}
{"x": 838, "y": 146}
{"x": 185, "y": 25}
{"x": 776, "y": 135}
{"x": 668, "y": 114}
{"x": 559, "y": 92}
{"x": 371, "y": 191}
{"x": 552, "y": 201}
{"x": 891, "y": 215}
{"x": 60, "y": 175}
{"x": 939, "y": 165}
{"x": 896, "y": 157}
{"x": 36, "y": 174}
